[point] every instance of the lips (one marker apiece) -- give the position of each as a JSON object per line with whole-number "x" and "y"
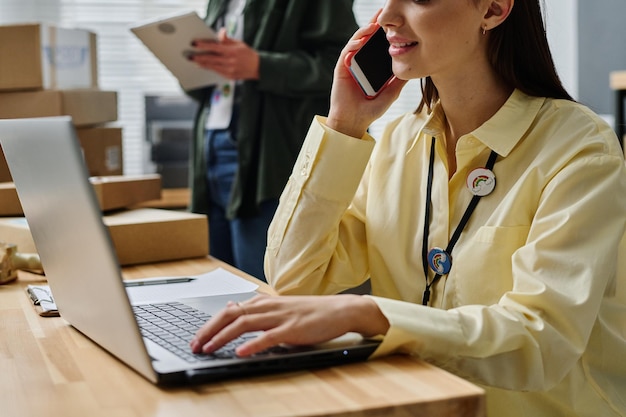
{"x": 399, "y": 48}
{"x": 396, "y": 41}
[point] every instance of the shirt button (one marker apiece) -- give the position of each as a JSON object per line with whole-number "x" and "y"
{"x": 304, "y": 171}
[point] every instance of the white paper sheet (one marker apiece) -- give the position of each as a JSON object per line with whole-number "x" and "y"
{"x": 216, "y": 282}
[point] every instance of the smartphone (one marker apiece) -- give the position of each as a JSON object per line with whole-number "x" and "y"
{"x": 370, "y": 66}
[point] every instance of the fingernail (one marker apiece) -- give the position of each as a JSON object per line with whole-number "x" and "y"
{"x": 194, "y": 43}
{"x": 193, "y": 345}
{"x": 242, "y": 350}
{"x": 208, "y": 347}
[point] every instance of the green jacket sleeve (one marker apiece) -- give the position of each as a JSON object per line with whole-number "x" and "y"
{"x": 304, "y": 52}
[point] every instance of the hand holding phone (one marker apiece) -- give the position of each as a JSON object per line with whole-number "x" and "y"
{"x": 370, "y": 66}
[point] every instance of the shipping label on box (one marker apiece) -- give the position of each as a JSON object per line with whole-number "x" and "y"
{"x": 66, "y": 59}
{"x": 41, "y": 56}
{"x": 102, "y": 149}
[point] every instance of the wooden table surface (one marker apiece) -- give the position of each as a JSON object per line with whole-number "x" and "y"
{"x": 47, "y": 368}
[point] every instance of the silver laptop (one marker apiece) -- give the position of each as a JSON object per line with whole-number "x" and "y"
{"x": 80, "y": 263}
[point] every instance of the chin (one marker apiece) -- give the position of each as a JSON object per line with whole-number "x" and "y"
{"x": 406, "y": 74}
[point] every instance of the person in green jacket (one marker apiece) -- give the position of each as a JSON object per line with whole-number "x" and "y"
{"x": 277, "y": 57}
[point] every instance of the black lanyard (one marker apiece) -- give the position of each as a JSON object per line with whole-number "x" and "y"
{"x": 459, "y": 229}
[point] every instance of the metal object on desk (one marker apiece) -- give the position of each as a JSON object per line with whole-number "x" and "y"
{"x": 618, "y": 84}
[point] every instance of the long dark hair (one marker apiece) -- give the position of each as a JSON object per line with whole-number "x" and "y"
{"x": 518, "y": 50}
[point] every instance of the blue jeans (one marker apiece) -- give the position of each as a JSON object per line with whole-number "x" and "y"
{"x": 241, "y": 241}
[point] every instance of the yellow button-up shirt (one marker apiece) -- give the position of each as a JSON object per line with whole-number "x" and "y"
{"x": 533, "y": 309}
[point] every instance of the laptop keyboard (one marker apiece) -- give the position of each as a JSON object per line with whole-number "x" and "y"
{"x": 172, "y": 325}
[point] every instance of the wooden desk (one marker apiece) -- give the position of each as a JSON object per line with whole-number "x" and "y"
{"x": 47, "y": 368}
{"x": 618, "y": 84}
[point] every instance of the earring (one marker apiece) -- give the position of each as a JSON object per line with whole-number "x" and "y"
{"x": 484, "y": 30}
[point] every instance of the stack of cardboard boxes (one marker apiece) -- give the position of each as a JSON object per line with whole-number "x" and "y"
{"x": 52, "y": 71}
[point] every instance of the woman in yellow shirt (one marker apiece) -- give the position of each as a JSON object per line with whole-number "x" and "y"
{"x": 515, "y": 285}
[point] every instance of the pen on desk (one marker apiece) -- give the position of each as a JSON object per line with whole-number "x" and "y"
{"x": 140, "y": 283}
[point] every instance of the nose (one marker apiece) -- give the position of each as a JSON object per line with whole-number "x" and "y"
{"x": 389, "y": 15}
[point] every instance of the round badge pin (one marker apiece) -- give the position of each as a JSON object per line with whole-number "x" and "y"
{"x": 481, "y": 181}
{"x": 439, "y": 261}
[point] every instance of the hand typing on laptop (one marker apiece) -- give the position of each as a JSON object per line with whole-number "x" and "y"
{"x": 292, "y": 320}
{"x": 151, "y": 333}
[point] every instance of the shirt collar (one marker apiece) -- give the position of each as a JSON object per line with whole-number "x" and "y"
{"x": 504, "y": 129}
{"x": 507, "y": 127}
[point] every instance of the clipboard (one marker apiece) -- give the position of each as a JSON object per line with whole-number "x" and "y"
{"x": 169, "y": 39}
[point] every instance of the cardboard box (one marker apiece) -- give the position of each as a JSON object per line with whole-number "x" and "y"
{"x": 139, "y": 236}
{"x": 151, "y": 235}
{"x": 40, "y": 56}
{"x": 5, "y": 174}
{"x": 102, "y": 148}
{"x": 171, "y": 198}
{"x": 9, "y": 202}
{"x": 113, "y": 193}
{"x": 85, "y": 106}
{"x": 123, "y": 191}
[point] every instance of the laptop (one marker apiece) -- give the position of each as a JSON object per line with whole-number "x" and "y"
{"x": 169, "y": 39}
{"x": 79, "y": 260}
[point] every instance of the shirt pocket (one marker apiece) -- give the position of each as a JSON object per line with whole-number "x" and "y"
{"x": 483, "y": 270}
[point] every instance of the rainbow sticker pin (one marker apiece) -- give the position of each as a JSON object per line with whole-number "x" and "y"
{"x": 439, "y": 261}
{"x": 481, "y": 181}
